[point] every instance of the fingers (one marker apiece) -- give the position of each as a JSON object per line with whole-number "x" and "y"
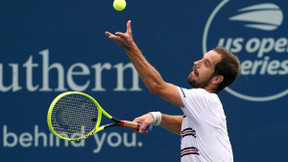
{"x": 142, "y": 128}
{"x": 145, "y": 120}
{"x": 124, "y": 40}
{"x": 108, "y": 34}
{"x": 112, "y": 36}
{"x": 129, "y": 29}
{"x": 137, "y": 120}
{"x": 120, "y": 34}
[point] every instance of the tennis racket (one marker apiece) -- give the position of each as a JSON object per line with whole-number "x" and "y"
{"x": 75, "y": 116}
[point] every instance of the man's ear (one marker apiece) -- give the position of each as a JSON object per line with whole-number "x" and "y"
{"x": 217, "y": 79}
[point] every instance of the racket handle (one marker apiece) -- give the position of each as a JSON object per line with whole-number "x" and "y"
{"x": 133, "y": 125}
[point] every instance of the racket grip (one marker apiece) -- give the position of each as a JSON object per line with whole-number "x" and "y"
{"x": 148, "y": 128}
{"x": 134, "y": 125}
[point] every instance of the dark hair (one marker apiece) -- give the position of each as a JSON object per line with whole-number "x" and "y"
{"x": 228, "y": 67}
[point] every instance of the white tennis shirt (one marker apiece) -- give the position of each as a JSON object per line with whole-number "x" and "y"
{"x": 204, "y": 136}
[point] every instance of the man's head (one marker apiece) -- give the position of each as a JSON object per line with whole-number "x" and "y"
{"x": 216, "y": 70}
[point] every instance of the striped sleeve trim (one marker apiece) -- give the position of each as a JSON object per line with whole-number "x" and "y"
{"x": 189, "y": 151}
{"x": 188, "y": 132}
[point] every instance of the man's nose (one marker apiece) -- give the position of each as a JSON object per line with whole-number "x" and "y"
{"x": 196, "y": 64}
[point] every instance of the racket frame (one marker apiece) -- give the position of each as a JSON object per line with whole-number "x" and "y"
{"x": 93, "y": 131}
{"x": 122, "y": 123}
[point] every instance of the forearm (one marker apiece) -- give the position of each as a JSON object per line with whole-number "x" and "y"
{"x": 172, "y": 123}
{"x": 149, "y": 75}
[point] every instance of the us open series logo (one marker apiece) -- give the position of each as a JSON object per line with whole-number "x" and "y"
{"x": 256, "y": 32}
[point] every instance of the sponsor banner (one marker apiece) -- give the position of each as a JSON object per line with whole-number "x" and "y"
{"x": 37, "y": 138}
{"x": 256, "y": 32}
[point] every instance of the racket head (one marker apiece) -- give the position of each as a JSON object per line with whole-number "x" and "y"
{"x": 74, "y": 116}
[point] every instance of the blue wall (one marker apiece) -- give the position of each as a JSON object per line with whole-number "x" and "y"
{"x": 43, "y": 44}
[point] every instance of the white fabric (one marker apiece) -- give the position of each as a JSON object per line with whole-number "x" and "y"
{"x": 204, "y": 135}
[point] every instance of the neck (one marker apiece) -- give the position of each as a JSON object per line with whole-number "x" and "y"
{"x": 212, "y": 89}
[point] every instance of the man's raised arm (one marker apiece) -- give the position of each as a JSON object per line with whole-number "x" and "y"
{"x": 149, "y": 75}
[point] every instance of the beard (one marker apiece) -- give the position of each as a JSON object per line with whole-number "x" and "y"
{"x": 196, "y": 84}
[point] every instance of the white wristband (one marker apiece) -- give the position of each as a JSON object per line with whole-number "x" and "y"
{"x": 157, "y": 117}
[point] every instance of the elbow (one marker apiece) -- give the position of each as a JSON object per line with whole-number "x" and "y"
{"x": 156, "y": 89}
{"x": 153, "y": 91}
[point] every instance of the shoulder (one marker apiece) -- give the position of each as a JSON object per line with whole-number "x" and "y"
{"x": 194, "y": 92}
{"x": 198, "y": 96}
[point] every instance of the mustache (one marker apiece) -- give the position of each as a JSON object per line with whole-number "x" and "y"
{"x": 195, "y": 71}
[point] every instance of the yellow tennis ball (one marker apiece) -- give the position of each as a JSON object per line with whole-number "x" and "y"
{"x": 119, "y": 5}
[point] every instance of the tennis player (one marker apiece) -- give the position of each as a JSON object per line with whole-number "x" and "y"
{"x": 203, "y": 127}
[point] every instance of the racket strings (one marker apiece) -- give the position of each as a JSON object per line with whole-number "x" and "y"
{"x": 73, "y": 116}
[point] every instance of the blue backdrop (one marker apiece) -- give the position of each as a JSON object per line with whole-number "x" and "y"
{"x": 48, "y": 47}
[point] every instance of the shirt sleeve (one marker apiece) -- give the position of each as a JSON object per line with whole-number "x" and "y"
{"x": 201, "y": 106}
{"x": 194, "y": 101}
